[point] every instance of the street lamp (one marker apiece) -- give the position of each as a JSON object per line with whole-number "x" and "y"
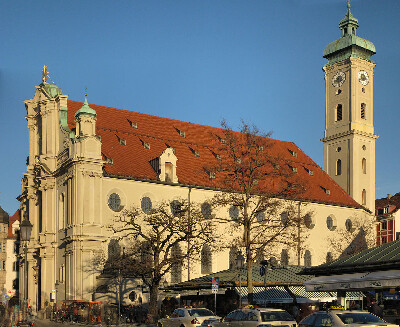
{"x": 25, "y": 235}
{"x": 239, "y": 265}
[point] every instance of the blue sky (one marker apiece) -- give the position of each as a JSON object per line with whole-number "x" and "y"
{"x": 197, "y": 61}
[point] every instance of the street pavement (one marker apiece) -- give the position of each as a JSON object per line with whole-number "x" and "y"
{"x": 49, "y": 323}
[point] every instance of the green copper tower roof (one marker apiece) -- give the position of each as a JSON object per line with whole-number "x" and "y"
{"x": 349, "y": 45}
{"x": 86, "y": 110}
{"x": 52, "y": 89}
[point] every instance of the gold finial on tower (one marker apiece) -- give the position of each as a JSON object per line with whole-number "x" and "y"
{"x": 44, "y": 74}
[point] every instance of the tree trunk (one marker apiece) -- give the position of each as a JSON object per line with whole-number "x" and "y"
{"x": 153, "y": 304}
{"x": 250, "y": 281}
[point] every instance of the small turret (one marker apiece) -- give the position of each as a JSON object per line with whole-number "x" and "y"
{"x": 85, "y": 119}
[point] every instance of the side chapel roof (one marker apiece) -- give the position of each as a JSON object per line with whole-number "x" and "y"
{"x": 132, "y": 160}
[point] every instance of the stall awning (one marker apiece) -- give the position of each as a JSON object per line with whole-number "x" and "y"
{"x": 357, "y": 281}
{"x": 261, "y": 295}
{"x": 302, "y": 296}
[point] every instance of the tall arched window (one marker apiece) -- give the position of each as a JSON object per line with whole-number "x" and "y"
{"x": 363, "y": 111}
{"x": 233, "y": 253}
{"x": 176, "y": 267}
{"x": 339, "y": 113}
{"x": 364, "y": 165}
{"x": 339, "y": 167}
{"x": 206, "y": 260}
{"x": 114, "y": 250}
{"x": 307, "y": 258}
{"x": 61, "y": 212}
{"x": 284, "y": 257}
{"x": 364, "y": 197}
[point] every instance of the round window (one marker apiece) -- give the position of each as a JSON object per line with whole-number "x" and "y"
{"x": 234, "y": 212}
{"x": 176, "y": 207}
{"x": 206, "y": 210}
{"x": 330, "y": 223}
{"x": 114, "y": 202}
{"x": 308, "y": 221}
{"x": 284, "y": 218}
{"x": 349, "y": 225}
{"x": 146, "y": 204}
{"x": 260, "y": 216}
{"x": 132, "y": 296}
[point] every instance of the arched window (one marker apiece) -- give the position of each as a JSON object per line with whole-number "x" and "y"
{"x": 307, "y": 258}
{"x": 206, "y": 260}
{"x": 339, "y": 167}
{"x": 364, "y": 197}
{"x": 364, "y": 165}
{"x": 169, "y": 171}
{"x": 233, "y": 253}
{"x": 114, "y": 250}
{"x": 339, "y": 113}
{"x": 176, "y": 267}
{"x": 61, "y": 213}
{"x": 284, "y": 257}
{"x": 363, "y": 111}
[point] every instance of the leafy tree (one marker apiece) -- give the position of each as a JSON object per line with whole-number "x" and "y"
{"x": 160, "y": 242}
{"x": 259, "y": 188}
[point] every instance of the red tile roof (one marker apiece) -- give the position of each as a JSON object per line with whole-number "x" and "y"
{"x": 16, "y": 216}
{"x": 132, "y": 160}
{"x": 393, "y": 204}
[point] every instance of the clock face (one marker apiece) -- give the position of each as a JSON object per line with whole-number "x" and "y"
{"x": 338, "y": 79}
{"x": 363, "y": 77}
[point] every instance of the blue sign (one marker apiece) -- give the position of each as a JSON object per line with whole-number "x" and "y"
{"x": 215, "y": 284}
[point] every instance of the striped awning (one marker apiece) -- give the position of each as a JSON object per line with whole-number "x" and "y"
{"x": 261, "y": 295}
{"x": 302, "y": 296}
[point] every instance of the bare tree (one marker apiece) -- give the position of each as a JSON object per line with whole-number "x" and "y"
{"x": 161, "y": 241}
{"x": 259, "y": 188}
{"x": 358, "y": 234}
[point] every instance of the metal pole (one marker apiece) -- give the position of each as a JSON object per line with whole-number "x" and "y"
{"x": 265, "y": 285}
{"x": 119, "y": 295}
{"x": 26, "y": 282}
{"x": 215, "y": 303}
{"x": 240, "y": 287}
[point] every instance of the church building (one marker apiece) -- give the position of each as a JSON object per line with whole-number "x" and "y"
{"x": 87, "y": 162}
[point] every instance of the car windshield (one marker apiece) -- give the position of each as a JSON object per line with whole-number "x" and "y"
{"x": 200, "y": 313}
{"x": 359, "y": 318}
{"x": 276, "y": 316}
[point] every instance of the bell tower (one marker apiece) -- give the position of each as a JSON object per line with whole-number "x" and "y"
{"x": 349, "y": 141}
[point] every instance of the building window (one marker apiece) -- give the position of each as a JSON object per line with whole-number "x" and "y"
{"x": 339, "y": 167}
{"x": 176, "y": 267}
{"x": 349, "y": 225}
{"x": 284, "y": 257}
{"x": 14, "y": 266}
{"x": 233, "y": 253}
{"x": 206, "y": 260}
{"x": 363, "y": 110}
{"x": 331, "y": 223}
{"x": 176, "y": 207}
{"x": 61, "y": 274}
{"x": 114, "y": 250}
{"x": 386, "y": 210}
{"x": 234, "y": 212}
{"x": 364, "y": 165}
{"x": 364, "y": 197}
{"x": 307, "y": 258}
{"x": 308, "y": 221}
{"x": 384, "y": 225}
{"x": 146, "y": 204}
{"x": 114, "y": 202}
{"x": 384, "y": 240}
{"x": 260, "y": 216}
{"x": 169, "y": 172}
{"x": 339, "y": 113}
{"x": 206, "y": 210}
{"x": 284, "y": 218}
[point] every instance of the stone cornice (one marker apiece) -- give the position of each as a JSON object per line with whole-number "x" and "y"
{"x": 348, "y": 133}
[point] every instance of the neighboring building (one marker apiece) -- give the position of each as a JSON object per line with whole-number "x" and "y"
{"x": 12, "y": 251}
{"x": 88, "y": 162}
{"x": 3, "y": 254}
{"x": 349, "y": 141}
{"x": 387, "y": 213}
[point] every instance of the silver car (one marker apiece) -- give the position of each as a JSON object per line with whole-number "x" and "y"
{"x": 260, "y": 317}
{"x": 343, "y": 318}
{"x": 187, "y": 317}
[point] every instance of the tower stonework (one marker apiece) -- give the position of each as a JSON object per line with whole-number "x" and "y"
{"x": 349, "y": 142}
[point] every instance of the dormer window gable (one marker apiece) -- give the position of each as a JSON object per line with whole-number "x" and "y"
{"x": 195, "y": 152}
{"x": 145, "y": 144}
{"x": 167, "y": 166}
{"x": 181, "y": 132}
{"x": 133, "y": 124}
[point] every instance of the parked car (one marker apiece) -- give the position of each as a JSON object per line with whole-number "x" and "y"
{"x": 187, "y": 317}
{"x": 340, "y": 318}
{"x": 210, "y": 322}
{"x": 257, "y": 317}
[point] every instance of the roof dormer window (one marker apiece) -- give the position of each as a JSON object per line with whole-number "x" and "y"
{"x": 133, "y": 124}
{"x": 309, "y": 171}
{"x": 122, "y": 141}
{"x": 146, "y": 145}
{"x": 293, "y": 153}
